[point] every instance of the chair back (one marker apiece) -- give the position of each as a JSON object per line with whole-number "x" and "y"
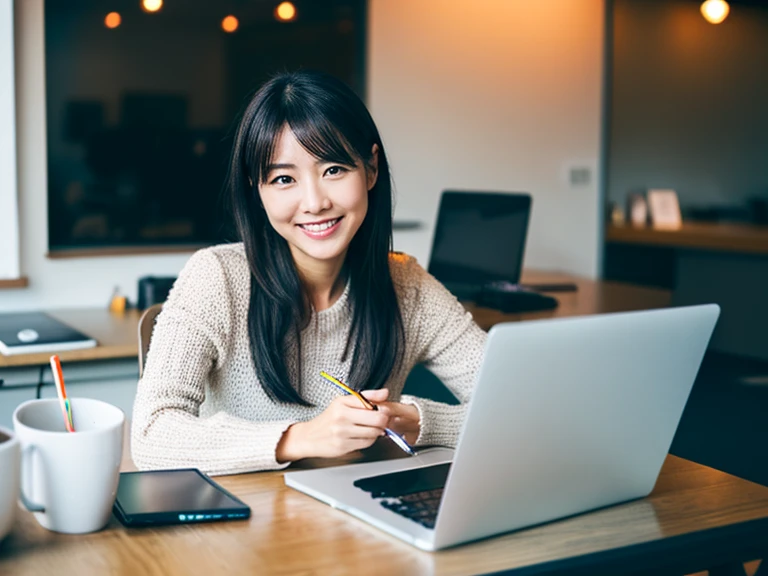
{"x": 146, "y": 325}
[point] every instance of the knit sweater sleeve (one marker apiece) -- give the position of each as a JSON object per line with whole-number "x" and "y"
{"x": 451, "y": 345}
{"x": 190, "y": 341}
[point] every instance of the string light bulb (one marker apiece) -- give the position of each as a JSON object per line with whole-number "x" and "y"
{"x": 151, "y": 5}
{"x": 715, "y": 11}
{"x": 229, "y": 24}
{"x": 112, "y": 20}
{"x": 285, "y": 12}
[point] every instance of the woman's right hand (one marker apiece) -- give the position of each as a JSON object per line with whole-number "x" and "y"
{"x": 345, "y": 426}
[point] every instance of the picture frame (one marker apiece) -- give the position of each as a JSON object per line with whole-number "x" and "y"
{"x": 664, "y": 209}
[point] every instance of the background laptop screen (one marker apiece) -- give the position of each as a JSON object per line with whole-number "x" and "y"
{"x": 479, "y": 237}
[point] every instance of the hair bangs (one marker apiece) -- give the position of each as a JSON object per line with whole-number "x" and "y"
{"x": 265, "y": 131}
{"x": 317, "y": 124}
{"x": 318, "y": 137}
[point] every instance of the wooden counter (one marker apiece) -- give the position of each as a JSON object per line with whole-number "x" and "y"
{"x": 748, "y": 238}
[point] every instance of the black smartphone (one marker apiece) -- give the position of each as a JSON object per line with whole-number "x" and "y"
{"x": 180, "y": 496}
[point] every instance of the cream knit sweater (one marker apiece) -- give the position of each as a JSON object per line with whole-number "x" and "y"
{"x": 199, "y": 403}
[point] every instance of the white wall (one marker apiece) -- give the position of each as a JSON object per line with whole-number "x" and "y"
{"x": 493, "y": 95}
{"x": 480, "y": 94}
{"x": 9, "y": 230}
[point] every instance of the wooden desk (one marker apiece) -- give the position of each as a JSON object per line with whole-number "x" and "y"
{"x": 117, "y": 333}
{"x": 592, "y": 297}
{"x": 695, "y": 518}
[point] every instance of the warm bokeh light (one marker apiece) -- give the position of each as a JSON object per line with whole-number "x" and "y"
{"x": 112, "y": 20}
{"x": 715, "y": 11}
{"x": 229, "y": 24}
{"x": 151, "y": 5}
{"x": 285, "y": 12}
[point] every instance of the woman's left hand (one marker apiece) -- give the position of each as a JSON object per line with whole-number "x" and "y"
{"x": 404, "y": 420}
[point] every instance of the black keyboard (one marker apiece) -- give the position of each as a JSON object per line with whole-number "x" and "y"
{"x": 414, "y": 494}
{"x": 420, "y": 507}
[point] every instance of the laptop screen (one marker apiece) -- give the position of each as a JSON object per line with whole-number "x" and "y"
{"x": 479, "y": 237}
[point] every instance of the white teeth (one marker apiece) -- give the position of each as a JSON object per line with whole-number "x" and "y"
{"x": 319, "y": 227}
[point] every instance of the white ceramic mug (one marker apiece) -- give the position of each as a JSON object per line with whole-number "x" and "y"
{"x": 69, "y": 479}
{"x": 9, "y": 479}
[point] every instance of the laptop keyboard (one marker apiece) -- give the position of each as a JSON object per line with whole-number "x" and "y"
{"x": 414, "y": 494}
{"x": 420, "y": 507}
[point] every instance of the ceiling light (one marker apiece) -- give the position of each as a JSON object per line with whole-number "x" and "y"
{"x": 285, "y": 12}
{"x": 715, "y": 11}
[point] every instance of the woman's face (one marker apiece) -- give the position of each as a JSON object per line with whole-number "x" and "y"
{"x": 317, "y": 206}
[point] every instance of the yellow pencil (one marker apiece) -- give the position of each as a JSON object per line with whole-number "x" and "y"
{"x": 348, "y": 390}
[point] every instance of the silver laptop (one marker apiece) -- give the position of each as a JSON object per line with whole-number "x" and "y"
{"x": 568, "y": 415}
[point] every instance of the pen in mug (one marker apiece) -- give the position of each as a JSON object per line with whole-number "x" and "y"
{"x": 394, "y": 436}
{"x": 61, "y": 391}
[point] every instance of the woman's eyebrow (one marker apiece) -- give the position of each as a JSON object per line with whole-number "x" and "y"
{"x": 320, "y": 161}
{"x": 272, "y": 167}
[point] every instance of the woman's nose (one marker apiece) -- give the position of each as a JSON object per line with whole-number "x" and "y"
{"x": 315, "y": 199}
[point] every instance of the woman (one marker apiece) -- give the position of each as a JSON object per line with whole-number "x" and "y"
{"x": 232, "y": 380}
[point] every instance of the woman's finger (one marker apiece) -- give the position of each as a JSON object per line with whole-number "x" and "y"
{"x": 373, "y": 396}
{"x": 370, "y": 418}
{"x": 365, "y": 433}
{"x": 376, "y": 396}
{"x": 399, "y": 410}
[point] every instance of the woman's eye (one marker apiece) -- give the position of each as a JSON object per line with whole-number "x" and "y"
{"x": 335, "y": 170}
{"x": 283, "y": 180}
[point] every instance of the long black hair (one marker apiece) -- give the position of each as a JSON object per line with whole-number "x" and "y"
{"x": 332, "y": 124}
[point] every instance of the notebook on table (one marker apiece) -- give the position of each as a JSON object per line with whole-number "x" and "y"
{"x": 32, "y": 332}
{"x": 568, "y": 415}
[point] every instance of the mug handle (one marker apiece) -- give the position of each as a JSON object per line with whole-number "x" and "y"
{"x": 25, "y": 460}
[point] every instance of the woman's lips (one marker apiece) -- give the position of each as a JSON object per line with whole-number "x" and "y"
{"x": 321, "y": 230}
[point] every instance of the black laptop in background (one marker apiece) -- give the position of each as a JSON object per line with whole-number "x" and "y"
{"x": 478, "y": 248}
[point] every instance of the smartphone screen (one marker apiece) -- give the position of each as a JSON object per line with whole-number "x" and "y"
{"x": 174, "y": 497}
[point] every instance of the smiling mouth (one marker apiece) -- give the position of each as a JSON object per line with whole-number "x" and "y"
{"x": 321, "y": 226}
